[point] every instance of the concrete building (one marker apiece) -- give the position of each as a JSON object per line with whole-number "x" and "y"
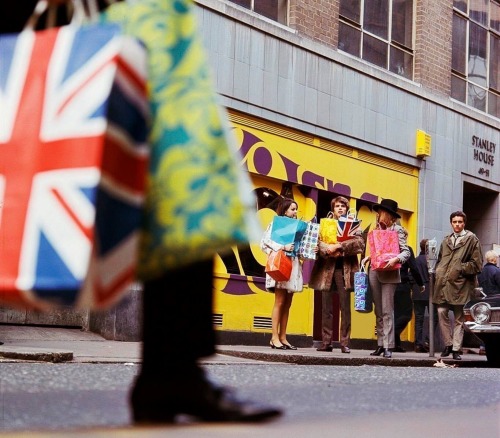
{"x": 370, "y": 99}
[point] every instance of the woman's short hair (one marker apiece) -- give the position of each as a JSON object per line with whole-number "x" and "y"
{"x": 491, "y": 257}
{"x": 284, "y": 205}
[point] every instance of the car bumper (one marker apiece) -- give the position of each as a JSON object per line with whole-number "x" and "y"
{"x": 479, "y": 328}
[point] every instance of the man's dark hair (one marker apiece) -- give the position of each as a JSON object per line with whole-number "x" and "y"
{"x": 458, "y": 213}
{"x": 422, "y": 244}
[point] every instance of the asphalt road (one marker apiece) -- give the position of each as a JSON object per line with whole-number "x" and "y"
{"x": 333, "y": 401}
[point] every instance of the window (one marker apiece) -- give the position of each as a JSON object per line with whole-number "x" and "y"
{"x": 380, "y": 32}
{"x": 274, "y": 9}
{"x": 475, "y": 65}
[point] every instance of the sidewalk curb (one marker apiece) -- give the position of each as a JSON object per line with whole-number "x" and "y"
{"x": 307, "y": 359}
{"x": 36, "y": 354}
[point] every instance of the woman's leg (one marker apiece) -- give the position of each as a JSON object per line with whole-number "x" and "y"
{"x": 388, "y": 290}
{"x": 277, "y": 315}
{"x": 377, "y": 301}
{"x": 284, "y": 317}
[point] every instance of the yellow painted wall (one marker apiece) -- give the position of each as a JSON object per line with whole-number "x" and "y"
{"x": 274, "y": 155}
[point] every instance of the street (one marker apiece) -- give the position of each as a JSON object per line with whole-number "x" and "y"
{"x": 70, "y": 396}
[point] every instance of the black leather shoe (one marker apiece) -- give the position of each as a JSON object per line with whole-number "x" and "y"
{"x": 447, "y": 351}
{"x": 345, "y": 350}
{"x": 289, "y": 347}
{"x": 325, "y": 348}
{"x": 456, "y": 355}
{"x": 420, "y": 349}
{"x": 398, "y": 349}
{"x": 387, "y": 353}
{"x": 281, "y": 347}
{"x": 378, "y": 351}
{"x": 198, "y": 398}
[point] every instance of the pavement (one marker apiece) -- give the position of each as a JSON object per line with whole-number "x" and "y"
{"x": 49, "y": 344}
{"x": 55, "y": 344}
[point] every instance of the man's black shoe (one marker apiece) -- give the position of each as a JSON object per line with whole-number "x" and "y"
{"x": 398, "y": 349}
{"x": 199, "y": 398}
{"x": 447, "y": 351}
{"x": 420, "y": 349}
{"x": 456, "y": 355}
{"x": 378, "y": 351}
{"x": 325, "y": 348}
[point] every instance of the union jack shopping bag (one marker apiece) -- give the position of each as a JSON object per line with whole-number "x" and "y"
{"x": 73, "y": 162}
{"x": 348, "y": 226}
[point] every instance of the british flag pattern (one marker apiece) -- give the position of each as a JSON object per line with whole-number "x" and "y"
{"x": 73, "y": 164}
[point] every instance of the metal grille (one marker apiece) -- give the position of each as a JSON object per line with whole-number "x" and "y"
{"x": 217, "y": 319}
{"x": 495, "y": 316}
{"x": 262, "y": 322}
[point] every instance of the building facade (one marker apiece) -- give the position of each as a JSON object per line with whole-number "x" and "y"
{"x": 369, "y": 99}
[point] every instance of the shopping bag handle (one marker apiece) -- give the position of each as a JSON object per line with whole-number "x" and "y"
{"x": 78, "y": 14}
{"x": 363, "y": 263}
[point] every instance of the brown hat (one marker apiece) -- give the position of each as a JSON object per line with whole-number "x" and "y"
{"x": 388, "y": 205}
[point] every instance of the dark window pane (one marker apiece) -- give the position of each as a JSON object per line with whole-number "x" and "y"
{"x": 268, "y": 8}
{"x": 460, "y": 5}
{"x": 401, "y": 63}
{"x": 479, "y": 11}
{"x": 402, "y": 22}
{"x": 458, "y": 88}
{"x": 376, "y": 17}
{"x": 459, "y": 50}
{"x": 477, "y": 54}
{"x": 351, "y": 9}
{"x": 349, "y": 39}
{"x": 495, "y": 16}
{"x": 244, "y": 3}
{"x": 494, "y": 104}
{"x": 495, "y": 62}
{"x": 476, "y": 97}
{"x": 374, "y": 51}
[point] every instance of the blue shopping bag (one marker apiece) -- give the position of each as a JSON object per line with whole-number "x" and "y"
{"x": 363, "y": 300}
{"x": 286, "y": 230}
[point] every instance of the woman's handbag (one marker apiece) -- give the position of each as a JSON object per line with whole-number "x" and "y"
{"x": 363, "y": 300}
{"x": 73, "y": 158}
{"x": 279, "y": 266}
{"x": 384, "y": 245}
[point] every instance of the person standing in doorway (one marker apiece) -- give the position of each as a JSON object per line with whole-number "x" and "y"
{"x": 460, "y": 259}
{"x": 334, "y": 271}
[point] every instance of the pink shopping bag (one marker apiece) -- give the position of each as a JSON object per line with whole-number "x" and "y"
{"x": 384, "y": 245}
